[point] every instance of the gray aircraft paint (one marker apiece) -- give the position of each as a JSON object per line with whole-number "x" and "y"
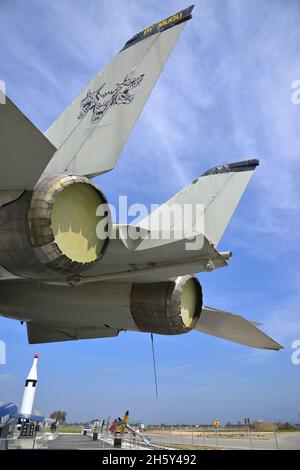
{"x": 91, "y": 148}
{"x": 22, "y": 145}
{"x": 89, "y": 137}
{"x": 99, "y": 310}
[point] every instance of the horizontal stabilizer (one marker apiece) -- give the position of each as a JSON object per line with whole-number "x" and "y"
{"x": 92, "y": 131}
{"x": 47, "y": 333}
{"x": 234, "y": 328}
{"x": 25, "y": 151}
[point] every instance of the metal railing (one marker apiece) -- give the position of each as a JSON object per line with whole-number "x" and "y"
{"x": 130, "y": 442}
{"x": 220, "y": 440}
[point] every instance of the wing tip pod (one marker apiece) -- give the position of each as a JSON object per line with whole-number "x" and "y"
{"x": 169, "y": 22}
{"x": 235, "y": 167}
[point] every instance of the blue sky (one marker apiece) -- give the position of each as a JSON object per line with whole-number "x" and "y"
{"x": 225, "y": 95}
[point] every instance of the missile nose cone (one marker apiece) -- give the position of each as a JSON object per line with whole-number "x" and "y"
{"x": 36, "y": 356}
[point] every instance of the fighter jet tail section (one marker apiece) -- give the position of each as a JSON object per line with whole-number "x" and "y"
{"x": 92, "y": 131}
{"x": 216, "y": 194}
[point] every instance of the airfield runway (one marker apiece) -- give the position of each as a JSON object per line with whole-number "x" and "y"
{"x": 285, "y": 441}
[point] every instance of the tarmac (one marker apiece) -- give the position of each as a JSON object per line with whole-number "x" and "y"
{"x": 75, "y": 442}
{"x": 81, "y": 442}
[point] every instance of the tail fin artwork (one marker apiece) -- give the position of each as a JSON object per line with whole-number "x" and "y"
{"x": 91, "y": 133}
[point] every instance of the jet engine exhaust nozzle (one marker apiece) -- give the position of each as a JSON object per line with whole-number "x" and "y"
{"x": 53, "y": 228}
{"x": 167, "y": 308}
